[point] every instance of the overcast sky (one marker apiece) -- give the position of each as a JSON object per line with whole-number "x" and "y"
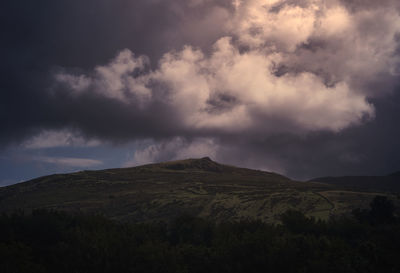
{"x": 305, "y": 88}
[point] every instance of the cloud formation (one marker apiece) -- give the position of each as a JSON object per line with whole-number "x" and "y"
{"x": 284, "y": 66}
{"x": 63, "y": 138}
{"x": 173, "y": 149}
{"x": 67, "y": 161}
{"x": 262, "y": 80}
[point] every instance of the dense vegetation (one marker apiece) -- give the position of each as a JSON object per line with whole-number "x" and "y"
{"x": 50, "y": 241}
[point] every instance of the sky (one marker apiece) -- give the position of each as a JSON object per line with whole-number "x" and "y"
{"x": 305, "y": 88}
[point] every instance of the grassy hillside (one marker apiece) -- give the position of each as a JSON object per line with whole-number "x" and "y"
{"x": 199, "y": 187}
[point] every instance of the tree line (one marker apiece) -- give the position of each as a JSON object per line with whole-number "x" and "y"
{"x": 54, "y": 241}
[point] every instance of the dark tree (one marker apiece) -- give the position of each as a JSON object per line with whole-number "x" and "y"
{"x": 382, "y": 210}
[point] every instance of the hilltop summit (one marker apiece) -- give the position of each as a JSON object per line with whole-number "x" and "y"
{"x": 162, "y": 191}
{"x": 203, "y": 164}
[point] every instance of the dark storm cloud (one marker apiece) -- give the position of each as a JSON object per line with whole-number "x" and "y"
{"x": 359, "y": 5}
{"x": 80, "y": 65}
{"x": 372, "y": 149}
{"x": 39, "y": 36}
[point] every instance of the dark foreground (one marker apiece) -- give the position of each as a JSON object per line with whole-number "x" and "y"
{"x": 49, "y": 241}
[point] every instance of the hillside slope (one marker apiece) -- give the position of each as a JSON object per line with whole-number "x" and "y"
{"x": 200, "y": 187}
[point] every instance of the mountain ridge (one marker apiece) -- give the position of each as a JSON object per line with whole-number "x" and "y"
{"x": 198, "y": 187}
{"x": 389, "y": 182}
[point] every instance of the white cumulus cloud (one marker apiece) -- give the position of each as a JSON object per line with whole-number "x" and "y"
{"x": 282, "y": 66}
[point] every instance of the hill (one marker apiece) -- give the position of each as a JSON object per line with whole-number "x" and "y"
{"x": 199, "y": 187}
{"x": 387, "y": 183}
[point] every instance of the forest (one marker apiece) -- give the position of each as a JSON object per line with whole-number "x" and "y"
{"x": 53, "y": 241}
